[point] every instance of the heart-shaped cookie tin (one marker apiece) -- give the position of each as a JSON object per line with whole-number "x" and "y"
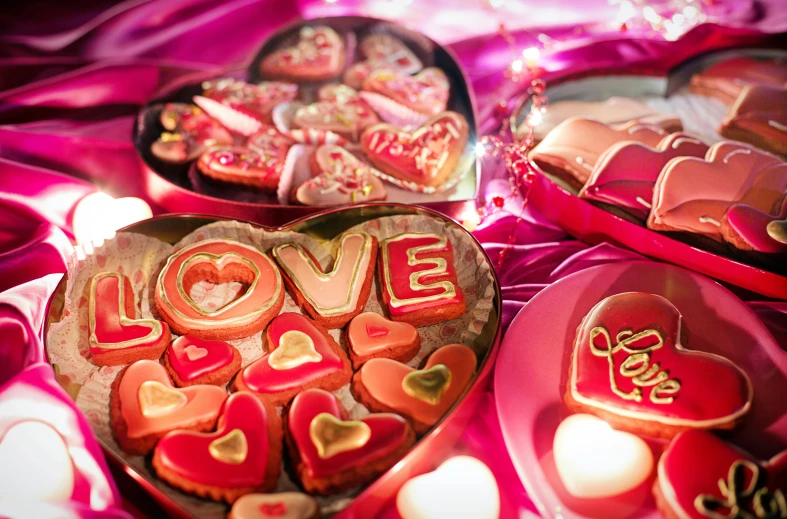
{"x": 369, "y": 501}
{"x": 181, "y": 188}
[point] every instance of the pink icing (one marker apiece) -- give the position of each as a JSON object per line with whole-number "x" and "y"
{"x": 256, "y": 101}
{"x": 186, "y": 453}
{"x": 761, "y": 112}
{"x": 189, "y": 366}
{"x": 388, "y": 431}
{"x": 426, "y": 92}
{"x": 339, "y": 178}
{"x": 751, "y": 225}
{"x": 319, "y": 51}
{"x": 371, "y": 333}
{"x": 203, "y": 402}
{"x": 728, "y": 77}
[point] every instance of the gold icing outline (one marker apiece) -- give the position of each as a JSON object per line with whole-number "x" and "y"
{"x": 219, "y": 260}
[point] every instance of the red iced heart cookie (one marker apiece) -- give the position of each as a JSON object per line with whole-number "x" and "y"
{"x": 426, "y": 156}
{"x": 284, "y": 505}
{"x": 331, "y": 454}
{"x": 116, "y": 336}
{"x": 241, "y": 457}
{"x": 747, "y": 228}
{"x": 382, "y": 51}
{"x": 260, "y": 164}
{"x": 300, "y": 356}
{"x": 188, "y": 133}
{"x": 426, "y": 92}
{"x": 256, "y": 101}
{"x": 700, "y": 477}
{"x": 693, "y": 194}
{"x": 630, "y": 368}
{"x": 422, "y": 396}
{"x": 145, "y": 406}
{"x": 625, "y": 174}
{"x": 317, "y": 55}
{"x": 339, "y": 178}
{"x": 191, "y": 360}
{"x": 759, "y": 116}
{"x": 339, "y": 112}
{"x": 371, "y": 335}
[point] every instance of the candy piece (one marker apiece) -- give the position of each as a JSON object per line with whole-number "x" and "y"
{"x": 700, "y": 477}
{"x": 145, "y": 406}
{"x": 241, "y": 457}
{"x": 625, "y": 174}
{"x": 422, "y": 396}
{"x": 693, "y": 194}
{"x": 191, "y": 360}
{"x": 371, "y": 336}
{"x": 317, "y": 55}
{"x": 759, "y": 117}
{"x": 284, "y": 505}
{"x": 189, "y": 132}
{"x": 116, "y": 335}
{"x": 426, "y": 156}
{"x": 747, "y": 228}
{"x": 300, "y": 355}
{"x": 418, "y": 279}
{"x": 219, "y": 261}
{"x": 331, "y": 454}
{"x": 331, "y": 298}
{"x": 426, "y": 92}
{"x": 630, "y": 368}
{"x": 339, "y": 178}
{"x": 382, "y": 51}
{"x": 725, "y": 80}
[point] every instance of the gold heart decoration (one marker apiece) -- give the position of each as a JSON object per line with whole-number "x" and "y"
{"x": 231, "y": 448}
{"x": 156, "y": 399}
{"x": 332, "y": 436}
{"x": 428, "y": 385}
{"x": 295, "y": 348}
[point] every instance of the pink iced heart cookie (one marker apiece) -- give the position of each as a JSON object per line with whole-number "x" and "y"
{"x": 188, "y": 133}
{"x": 370, "y": 336}
{"x": 426, "y": 156}
{"x": 747, "y": 228}
{"x": 426, "y": 92}
{"x": 191, "y": 360}
{"x": 759, "y": 117}
{"x": 339, "y": 178}
{"x": 630, "y": 367}
{"x": 259, "y": 164}
{"x": 340, "y": 110}
{"x": 255, "y": 101}
{"x": 382, "y": 51}
{"x": 317, "y": 55}
{"x": 700, "y": 476}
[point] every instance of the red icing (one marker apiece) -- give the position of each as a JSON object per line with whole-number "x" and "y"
{"x": 186, "y": 453}
{"x": 388, "y": 432}
{"x": 273, "y": 509}
{"x": 396, "y": 273}
{"x": 259, "y": 376}
{"x": 376, "y": 331}
{"x": 426, "y": 92}
{"x": 712, "y": 389}
{"x": 743, "y": 222}
{"x": 697, "y": 461}
{"x": 217, "y": 355}
{"x": 370, "y": 333}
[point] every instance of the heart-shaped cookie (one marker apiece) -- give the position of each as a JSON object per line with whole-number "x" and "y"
{"x": 255, "y": 101}
{"x": 188, "y": 133}
{"x": 426, "y": 92}
{"x": 339, "y": 111}
{"x": 382, "y": 51}
{"x": 317, "y": 55}
{"x": 116, "y": 336}
{"x": 191, "y": 360}
{"x": 300, "y": 355}
{"x": 260, "y": 164}
{"x": 145, "y": 406}
{"x": 332, "y": 454}
{"x": 242, "y": 456}
{"x": 747, "y": 228}
{"x": 422, "y": 396}
{"x": 631, "y": 368}
{"x": 426, "y": 156}
{"x": 594, "y": 460}
{"x": 370, "y": 335}
{"x": 759, "y": 117}
{"x": 700, "y": 476}
{"x": 339, "y": 178}
{"x": 284, "y": 505}
{"x": 219, "y": 261}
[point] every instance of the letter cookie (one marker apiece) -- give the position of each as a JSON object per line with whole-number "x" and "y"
{"x": 191, "y": 360}
{"x": 630, "y": 368}
{"x": 331, "y": 454}
{"x": 219, "y": 261}
{"x": 284, "y": 505}
{"x": 300, "y": 355}
{"x": 116, "y": 335}
{"x": 418, "y": 279}
{"x": 241, "y": 457}
{"x": 371, "y": 335}
{"x": 330, "y": 298}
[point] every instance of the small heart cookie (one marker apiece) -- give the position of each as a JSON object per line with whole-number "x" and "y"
{"x": 145, "y": 406}
{"x": 284, "y": 505}
{"x": 191, "y": 360}
{"x": 317, "y": 55}
{"x": 332, "y": 454}
{"x": 340, "y": 110}
{"x": 426, "y": 92}
{"x": 255, "y": 101}
{"x": 339, "y": 178}
{"x": 422, "y": 396}
{"x": 382, "y": 51}
{"x": 241, "y": 457}
{"x": 189, "y": 132}
{"x": 370, "y": 335}
{"x": 258, "y": 165}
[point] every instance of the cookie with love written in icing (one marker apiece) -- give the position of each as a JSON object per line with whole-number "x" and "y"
{"x": 426, "y": 156}
{"x": 331, "y": 453}
{"x": 317, "y": 55}
{"x": 382, "y": 51}
{"x": 338, "y": 178}
{"x": 371, "y": 336}
{"x": 191, "y": 360}
{"x": 144, "y": 406}
{"x": 426, "y": 92}
{"x": 284, "y": 505}
{"x": 418, "y": 279}
{"x": 242, "y": 456}
{"x": 330, "y": 297}
{"x": 422, "y": 396}
{"x": 700, "y": 477}
{"x": 219, "y": 261}
{"x": 750, "y": 229}
{"x": 188, "y": 132}
{"x": 116, "y": 335}
{"x": 759, "y": 117}
{"x": 301, "y": 354}
{"x": 630, "y": 366}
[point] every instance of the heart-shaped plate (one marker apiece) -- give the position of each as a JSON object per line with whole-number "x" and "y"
{"x": 323, "y": 226}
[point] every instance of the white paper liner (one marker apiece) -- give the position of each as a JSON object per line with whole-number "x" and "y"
{"x": 143, "y": 257}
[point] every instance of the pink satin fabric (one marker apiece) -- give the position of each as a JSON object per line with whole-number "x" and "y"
{"x": 73, "y": 77}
